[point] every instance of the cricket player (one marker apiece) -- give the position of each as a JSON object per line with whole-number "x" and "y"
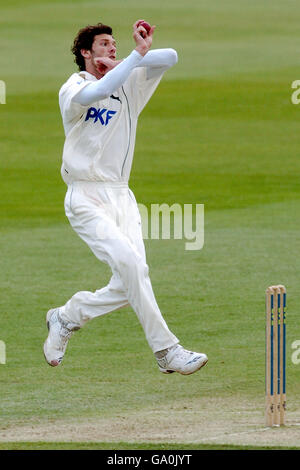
{"x": 100, "y": 106}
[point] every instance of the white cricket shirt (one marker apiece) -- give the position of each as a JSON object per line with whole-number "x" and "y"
{"x": 100, "y": 137}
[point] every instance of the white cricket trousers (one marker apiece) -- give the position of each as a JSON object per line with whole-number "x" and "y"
{"x": 106, "y": 217}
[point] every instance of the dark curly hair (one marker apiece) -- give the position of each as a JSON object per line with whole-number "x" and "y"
{"x": 85, "y": 39}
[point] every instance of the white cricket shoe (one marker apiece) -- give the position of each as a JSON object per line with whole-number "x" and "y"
{"x": 59, "y": 334}
{"x": 180, "y": 360}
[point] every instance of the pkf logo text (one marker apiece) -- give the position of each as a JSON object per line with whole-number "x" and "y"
{"x": 102, "y": 115}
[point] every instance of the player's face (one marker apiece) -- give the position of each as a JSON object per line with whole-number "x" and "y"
{"x": 104, "y": 45}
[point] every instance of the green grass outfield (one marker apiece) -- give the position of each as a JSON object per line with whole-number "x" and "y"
{"x": 221, "y": 130}
{"x": 125, "y": 446}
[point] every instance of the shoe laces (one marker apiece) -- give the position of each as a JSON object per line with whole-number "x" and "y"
{"x": 65, "y": 333}
{"x": 64, "y": 336}
{"x": 181, "y": 352}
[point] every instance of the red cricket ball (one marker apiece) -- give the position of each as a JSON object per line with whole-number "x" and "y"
{"x": 145, "y": 25}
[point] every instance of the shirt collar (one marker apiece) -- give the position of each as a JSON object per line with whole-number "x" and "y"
{"x": 87, "y": 76}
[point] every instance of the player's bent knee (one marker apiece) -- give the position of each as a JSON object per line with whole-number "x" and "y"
{"x": 129, "y": 260}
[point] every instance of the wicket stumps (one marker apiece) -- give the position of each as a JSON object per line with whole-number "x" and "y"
{"x": 275, "y": 355}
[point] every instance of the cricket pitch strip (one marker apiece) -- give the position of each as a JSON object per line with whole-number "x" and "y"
{"x": 206, "y": 421}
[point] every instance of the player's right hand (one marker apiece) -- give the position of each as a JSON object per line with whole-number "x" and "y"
{"x": 143, "y": 39}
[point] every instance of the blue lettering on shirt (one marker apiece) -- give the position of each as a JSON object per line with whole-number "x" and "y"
{"x": 102, "y": 115}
